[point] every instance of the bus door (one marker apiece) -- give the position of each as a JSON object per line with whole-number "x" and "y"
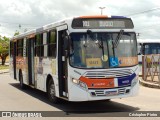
{"x": 30, "y": 51}
{"x": 14, "y": 59}
{"x": 62, "y": 63}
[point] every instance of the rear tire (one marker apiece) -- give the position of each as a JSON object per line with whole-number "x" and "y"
{"x": 51, "y": 92}
{"x": 22, "y": 85}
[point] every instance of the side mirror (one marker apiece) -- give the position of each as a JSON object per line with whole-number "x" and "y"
{"x": 66, "y": 42}
{"x": 66, "y": 45}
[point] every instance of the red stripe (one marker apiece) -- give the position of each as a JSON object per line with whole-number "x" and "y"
{"x": 98, "y": 83}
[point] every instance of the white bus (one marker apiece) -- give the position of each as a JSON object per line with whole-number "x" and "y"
{"x": 147, "y": 47}
{"x": 78, "y": 59}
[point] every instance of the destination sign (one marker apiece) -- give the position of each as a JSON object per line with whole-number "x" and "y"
{"x": 109, "y": 23}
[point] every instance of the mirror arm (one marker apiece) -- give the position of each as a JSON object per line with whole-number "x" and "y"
{"x": 66, "y": 53}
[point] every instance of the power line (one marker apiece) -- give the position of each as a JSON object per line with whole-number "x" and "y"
{"x": 144, "y": 27}
{"x": 13, "y": 23}
{"x": 155, "y": 36}
{"x": 143, "y": 12}
{"x": 148, "y": 33}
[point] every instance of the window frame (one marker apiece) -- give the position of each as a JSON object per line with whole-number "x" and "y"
{"x": 20, "y": 47}
{"x": 52, "y": 46}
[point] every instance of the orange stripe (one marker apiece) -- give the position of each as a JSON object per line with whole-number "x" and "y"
{"x": 96, "y": 16}
{"x": 98, "y": 83}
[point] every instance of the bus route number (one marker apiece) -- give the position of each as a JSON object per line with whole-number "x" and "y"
{"x": 86, "y": 24}
{"x": 105, "y": 23}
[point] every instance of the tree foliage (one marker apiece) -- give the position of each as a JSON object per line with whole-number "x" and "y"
{"x": 4, "y": 48}
{"x": 16, "y": 33}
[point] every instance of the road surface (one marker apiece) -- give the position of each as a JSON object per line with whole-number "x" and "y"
{"x": 12, "y": 98}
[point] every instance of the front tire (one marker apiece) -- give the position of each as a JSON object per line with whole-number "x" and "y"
{"x": 51, "y": 92}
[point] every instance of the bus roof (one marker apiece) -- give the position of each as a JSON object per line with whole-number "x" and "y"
{"x": 101, "y": 16}
{"x": 51, "y": 25}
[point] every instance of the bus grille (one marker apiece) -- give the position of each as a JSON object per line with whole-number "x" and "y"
{"x": 108, "y": 74}
{"x": 121, "y": 91}
{"x": 99, "y": 93}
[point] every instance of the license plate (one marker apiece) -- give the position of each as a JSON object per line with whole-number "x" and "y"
{"x": 111, "y": 93}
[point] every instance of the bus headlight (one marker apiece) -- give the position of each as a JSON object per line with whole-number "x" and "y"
{"x": 79, "y": 83}
{"x": 134, "y": 81}
{"x": 75, "y": 81}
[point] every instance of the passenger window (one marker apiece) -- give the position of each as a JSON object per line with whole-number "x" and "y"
{"x": 52, "y": 48}
{"x": 39, "y": 47}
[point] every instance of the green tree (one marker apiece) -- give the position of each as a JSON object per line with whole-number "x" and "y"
{"x": 16, "y": 33}
{"x": 4, "y": 48}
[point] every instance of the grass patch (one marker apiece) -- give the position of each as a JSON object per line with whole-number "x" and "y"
{"x": 2, "y": 67}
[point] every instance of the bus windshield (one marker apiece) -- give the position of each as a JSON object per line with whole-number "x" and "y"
{"x": 96, "y": 50}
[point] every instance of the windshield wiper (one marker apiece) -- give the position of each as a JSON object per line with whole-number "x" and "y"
{"x": 113, "y": 49}
{"x": 119, "y": 36}
{"x": 102, "y": 46}
{"x": 115, "y": 44}
{"x": 89, "y": 33}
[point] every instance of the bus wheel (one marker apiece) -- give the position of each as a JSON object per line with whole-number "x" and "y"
{"x": 22, "y": 85}
{"x": 51, "y": 92}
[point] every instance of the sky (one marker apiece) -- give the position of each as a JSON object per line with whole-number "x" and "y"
{"x": 23, "y": 15}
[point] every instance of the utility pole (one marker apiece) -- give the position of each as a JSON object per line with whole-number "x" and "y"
{"x": 19, "y": 26}
{"x": 138, "y": 35}
{"x": 102, "y": 9}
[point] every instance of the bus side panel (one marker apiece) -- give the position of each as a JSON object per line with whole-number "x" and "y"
{"x": 20, "y": 66}
{"x": 25, "y": 72}
{"x": 43, "y": 68}
{"x": 40, "y": 72}
{"x": 11, "y": 69}
{"x": 25, "y": 62}
{"x": 14, "y": 59}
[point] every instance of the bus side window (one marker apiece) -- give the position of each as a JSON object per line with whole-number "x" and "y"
{"x": 52, "y": 44}
{"x": 39, "y": 48}
{"x": 20, "y": 48}
{"x": 45, "y": 37}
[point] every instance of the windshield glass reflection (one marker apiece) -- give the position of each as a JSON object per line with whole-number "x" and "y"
{"x": 96, "y": 50}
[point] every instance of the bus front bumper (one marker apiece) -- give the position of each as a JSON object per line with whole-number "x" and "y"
{"x": 78, "y": 94}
